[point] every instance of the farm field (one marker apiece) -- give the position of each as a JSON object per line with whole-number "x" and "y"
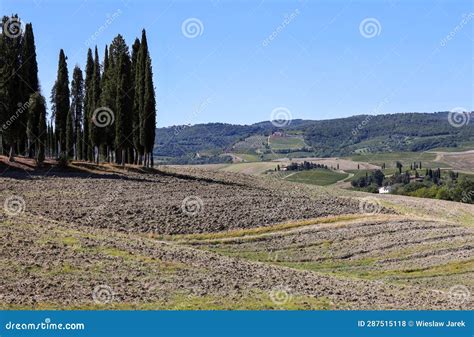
{"x": 321, "y": 177}
{"x": 262, "y": 167}
{"x": 187, "y": 238}
{"x": 285, "y": 143}
{"x": 455, "y": 160}
{"x": 463, "y": 161}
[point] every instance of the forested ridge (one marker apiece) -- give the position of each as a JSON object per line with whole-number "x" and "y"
{"x": 334, "y": 137}
{"x": 106, "y": 112}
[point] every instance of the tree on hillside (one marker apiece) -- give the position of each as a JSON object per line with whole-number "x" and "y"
{"x": 150, "y": 115}
{"x": 123, "y": 130}
{"x": 77, "y": 108}
{"x": 135, "y": 109}
{"x": 139, "y": 95}
{"x": 86, "y": 144}
{"x": 96, "y": 135}
{"x": 146, "y": 101}
{"x": 399, "y": 167}
{"x": 123, "y": 100}
{"x": 30, "y": 84}
{"x": 37, "y": 107}
{"x": 69, "y": 135}
{"x": 61, "y": 101}
{"x": 12, "y": 117}
{"x": 107, "y": 100}
{"x": 120, "y": 98}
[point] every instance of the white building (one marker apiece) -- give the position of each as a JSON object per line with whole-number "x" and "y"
{"x": 385, "y": 189}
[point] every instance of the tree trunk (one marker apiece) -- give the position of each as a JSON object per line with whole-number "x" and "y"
{"x": 96, "y": 154}
{"x": 29, "y": 149}
{"x": 11, "y": 155}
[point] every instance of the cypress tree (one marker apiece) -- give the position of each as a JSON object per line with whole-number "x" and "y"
{"x": 48, "y": 140}
{"x": 145, "y": 101}
{"x": 86, "y": 147}
{"x": 140, "y": 94}
{"x": 61, "y": 100}
{"x": 42, "y": 133}
{"x": 135, "y": 110}
{"x": 123, "y": 122}
{"x": 37, "y": 107}
{"x": 118, "y": 92}
{"x": 149, "y": 115}
{"x": 69, "y": 135}
{"x": 108, "y": 84}
{"x": 94, "y": 103}
{"x": 30, "y": 84}
{"x": 12, "y": 113}
{"x": 77, "y": 105}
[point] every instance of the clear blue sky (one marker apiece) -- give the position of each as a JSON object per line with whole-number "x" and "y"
{"x": 318, "y": 65}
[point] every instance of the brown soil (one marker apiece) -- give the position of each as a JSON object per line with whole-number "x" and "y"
{"x": 89, "y": 226}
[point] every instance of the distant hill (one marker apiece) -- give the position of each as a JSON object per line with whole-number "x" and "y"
{"x": 214, "y": 142}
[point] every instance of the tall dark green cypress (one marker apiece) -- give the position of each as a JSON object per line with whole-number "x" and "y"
{"x": 108, "y": 84}
{"x": 30, "y": 85}
{"x": 69, "y": 135}
{"x": 140, "y": 94}
{"x": 77, "y": 107}
{"x": 96, "y": 135}
{"x": 86, "y": 145}
{"x": 49, "y": 144}
{"x": 123, "y": 122}
{"x": 135, "y": 109}
{"x": 145, "y": 101}
{"x": 41, "y": 142}
{"x": 118, "y": 92}
{"x": 37, "y": 107}
{"x": 62, "y": 103}
{"x": 149, "y": 115}
{"x": 12, "y": 111}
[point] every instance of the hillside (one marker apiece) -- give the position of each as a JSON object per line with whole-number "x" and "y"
{"x": 214, "y": 142}
{"x": 107, "y": 237}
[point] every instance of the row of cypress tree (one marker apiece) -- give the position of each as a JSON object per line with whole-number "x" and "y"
{"x": 22, "y": 107}
{"x": 107, "y": 115}
{"x": 111, "y": 114}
